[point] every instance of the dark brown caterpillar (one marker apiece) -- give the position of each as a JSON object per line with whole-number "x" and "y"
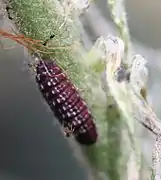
{"x": 61, "y": 95}
{"x": 65, "y": 101}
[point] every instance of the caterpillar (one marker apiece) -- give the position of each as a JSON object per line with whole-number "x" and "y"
{"x": 65, "y": 101}
{"x": 60, "y": 94}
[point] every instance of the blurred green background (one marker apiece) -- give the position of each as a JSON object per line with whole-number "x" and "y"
{"x": 31, "y": 146}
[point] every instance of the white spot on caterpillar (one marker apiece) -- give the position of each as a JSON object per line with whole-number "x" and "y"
{"x": 79, "y": 122}
{"x": 58, "y": 100}
{"x": 64, "y": 108}
{"x": 53, "y": 103}
{"x": 53, "y": 92}
{"x": 49, "y": 83}
{"x": 54, "y": 83}
{"x": 68, "y": 114}
{"x": 69, "y": 106}
{"x": 74, "y": 113}
{"x": 74, "y": 123}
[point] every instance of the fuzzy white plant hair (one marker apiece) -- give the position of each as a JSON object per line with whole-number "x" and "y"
{"x": 78, "y": 6}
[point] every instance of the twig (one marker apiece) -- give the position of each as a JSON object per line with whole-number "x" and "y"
{"x": 131, "y": 104}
